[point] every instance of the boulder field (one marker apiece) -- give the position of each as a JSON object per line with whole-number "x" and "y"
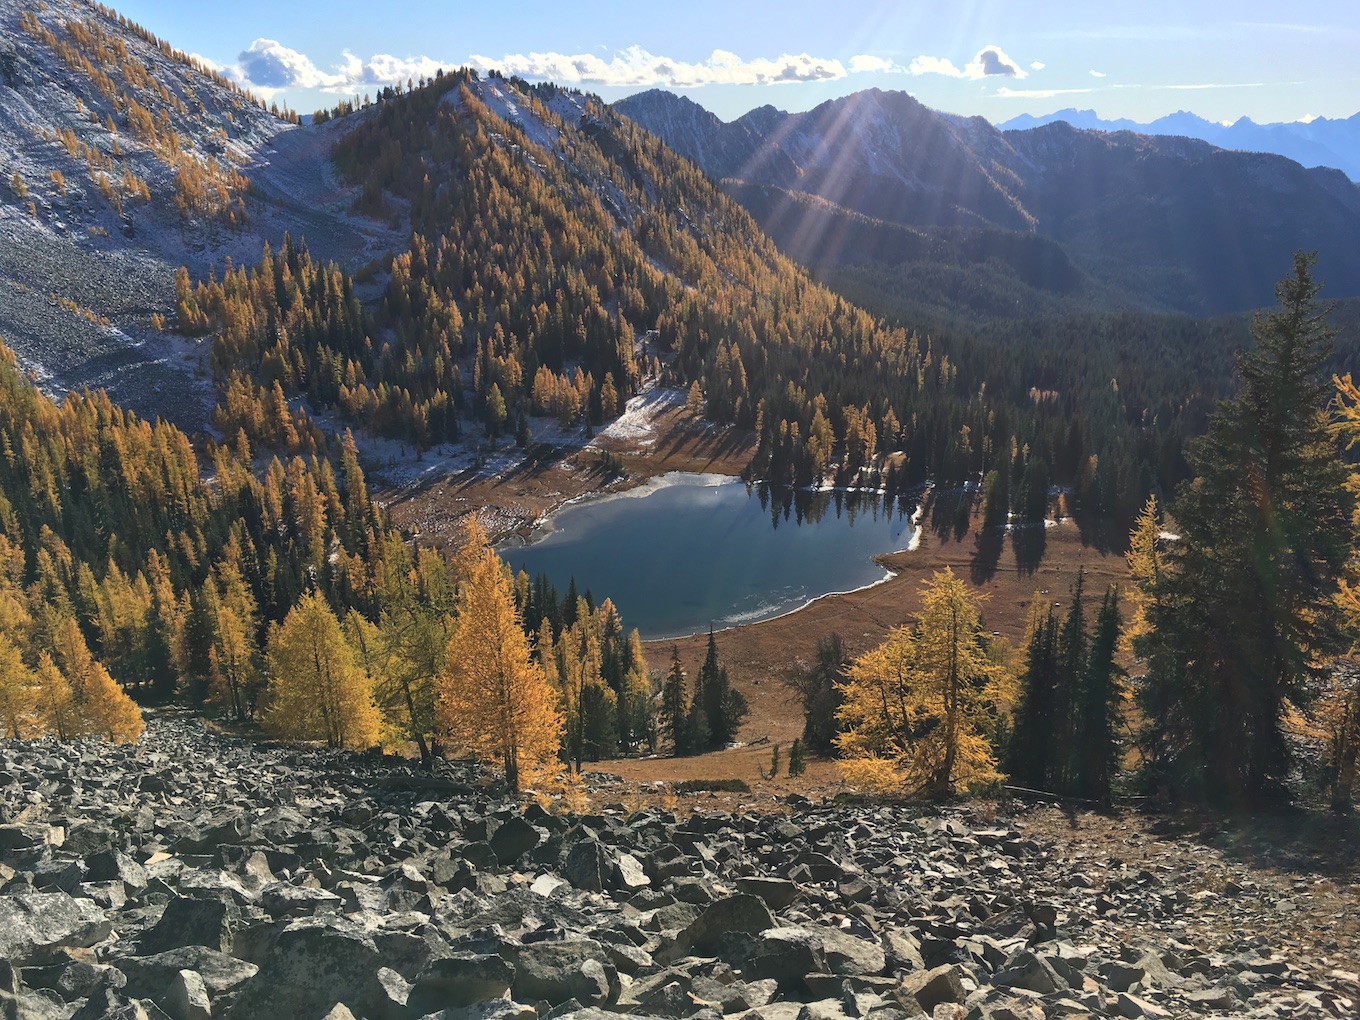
{"x": 195, "y": 876}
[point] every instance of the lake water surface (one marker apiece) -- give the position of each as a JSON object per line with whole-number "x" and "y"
{"x": 686, "y": 552}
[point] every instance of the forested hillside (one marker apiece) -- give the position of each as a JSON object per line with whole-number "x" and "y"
{"x": 560, "y": 256}
{"x": 135, "y": 562}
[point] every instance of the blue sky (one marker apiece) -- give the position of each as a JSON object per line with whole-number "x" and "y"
{"x": 1222, "y": 59}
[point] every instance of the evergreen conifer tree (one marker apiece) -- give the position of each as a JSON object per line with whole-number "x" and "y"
{"x": 1095, "y": 742}
{"x": 1030, "y": 755}
{"x": 1243, "y": 612}
{"x": 673, "y": 719}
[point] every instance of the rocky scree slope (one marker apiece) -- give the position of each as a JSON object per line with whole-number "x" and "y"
{"x": 91, "y": 113}
{"x": 195, "y": 875}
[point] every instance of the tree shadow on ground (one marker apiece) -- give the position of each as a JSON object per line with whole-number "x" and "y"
{"x": 1028, "y": 542}
{"x": 950, "y": 511}
{"x": 1306, "y": 840}
{"x": 987, "y": 546}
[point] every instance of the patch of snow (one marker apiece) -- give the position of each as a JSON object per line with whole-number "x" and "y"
{"x": 637, "y": 424}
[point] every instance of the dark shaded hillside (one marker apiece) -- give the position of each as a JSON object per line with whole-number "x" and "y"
{"x": 1181, "y": 224}
{"x": 958, "y": 271}
{"x": 1170, "y": 224}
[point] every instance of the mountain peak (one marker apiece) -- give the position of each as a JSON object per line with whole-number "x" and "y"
{"x": 1316, "y": 143}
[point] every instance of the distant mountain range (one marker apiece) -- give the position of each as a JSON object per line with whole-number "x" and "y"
{"x": 1319, "y": 142}
{"x": 1154, "y": 222}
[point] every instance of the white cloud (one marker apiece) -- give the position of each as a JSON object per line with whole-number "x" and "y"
{"x": 210, "y": 64}
{"x": 934, "y": 65}
{"x": 1096, "y": 74}
{"x": 990, "y": 61}
{"x": 863, "y": 64}
{"x": 385, "y": 69}
{"x": 1037, "y": 65}
{"x": 1009, "y": 93}
{"x": 636, "y": 67}
{"x": 1222, "y": 85}
{"x": 268, "y": 66}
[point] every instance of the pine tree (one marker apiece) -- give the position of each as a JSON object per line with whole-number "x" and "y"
{"x": 673, "y": 719}
{"x": 1098, "y": 707}
{"x": 1033, "y": 741}
{"x": 318, "y": 691}
{"x": 409, "y": 645}
{"x": 1072, "y": 663}
{"x": 56, "y": 700}
{"x": 718, "y": 709}
{"x": 1245, "y": 610}
{"x": 797, "y": 759}
{"x": 98, "y": 707}
{"x": 819, "y": 690}
{"x": 494, "y": 699}
{"x": 18, "y": 693}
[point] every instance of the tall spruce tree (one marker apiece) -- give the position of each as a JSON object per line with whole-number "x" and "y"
{"x": 1244, "y": 611}
{"x": 1096, "y": 708}
{"x": 1029, "y": 757}
{"x": 672, "y": 719}
{"x": 1071, "y": 672}
{"x": 719, "y": 708}
{"x": 818, "y": 688}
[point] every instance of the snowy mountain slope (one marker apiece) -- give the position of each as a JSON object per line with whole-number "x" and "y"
{"x": 120, "y": 161}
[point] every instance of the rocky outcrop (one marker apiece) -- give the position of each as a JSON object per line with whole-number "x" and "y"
{"x": 195, "y": 876}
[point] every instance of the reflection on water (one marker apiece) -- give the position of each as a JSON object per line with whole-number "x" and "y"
{"x": 687, "y": 552}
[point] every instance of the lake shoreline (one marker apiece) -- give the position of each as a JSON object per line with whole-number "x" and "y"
{"x": 726, "y": 564}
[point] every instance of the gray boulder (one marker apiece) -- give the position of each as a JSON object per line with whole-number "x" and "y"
{"x": 777, "y": 893}
{"x": 588, "y": 866}
{"x": 515, "y": 838}
{"x": 457, "y": 981}
{"x": 314, "y": 963}
{"x": 939, "y": 985}
{"x": 740, "y": 913}
{"x": 34, "y": 926}
{"x": 558, "y": 971}
{"x": 187, "y": 998}
{"x": 150, "y": 977}
{"x": 193, "y": 922}
{"x": 787, "y": 956}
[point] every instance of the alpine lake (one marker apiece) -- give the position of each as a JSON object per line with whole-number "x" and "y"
{"x": 684, "y": 553}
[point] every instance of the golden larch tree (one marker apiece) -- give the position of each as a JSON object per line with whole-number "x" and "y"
{"x": 319, "y": 691}
{"x": 98, "y": 706}
{"x": 918, "y": 709}
{"x": 18, "y": 693}
{"x": 56, "y": 700}
{"x": 494, "y": 699}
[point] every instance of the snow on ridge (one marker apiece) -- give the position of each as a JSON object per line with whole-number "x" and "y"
{"x": 73, "y": 243}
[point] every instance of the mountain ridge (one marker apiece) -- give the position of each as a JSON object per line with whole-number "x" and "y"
{"x": 1321, "y": 142}
{"x": 1148, "y": 215}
